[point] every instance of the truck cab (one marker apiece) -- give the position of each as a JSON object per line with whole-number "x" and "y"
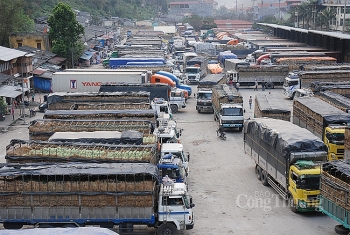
{"x": 167, "y": 131}
{"x": 175, "y": 208}
{"x": 231, "y": 116}
{"x": 193, "y": 74}
{"x": 304, "y": 185}
{"x": 177, "y": 100}
{"x": 291, "y": 84}
{"x": 161, "y": 106}
{"x": 177, "y": 150}
{"x": 334, "y": 140}
{"x": 172, "y": 167}
{"x": 204, "y": 100}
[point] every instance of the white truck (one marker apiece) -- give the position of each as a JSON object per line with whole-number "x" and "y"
{"x": 196, "y": 69}
{"x": 177, "y": 150}
{"x": 228, "y": 107}
{"x": 91, "y": 81}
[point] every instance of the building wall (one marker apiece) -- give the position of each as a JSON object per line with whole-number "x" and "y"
{"x": 200, "y": 9}
{"x": 40, "y": 41}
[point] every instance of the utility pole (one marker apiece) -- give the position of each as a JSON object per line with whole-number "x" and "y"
{"x": 236, "y": 10}
{"x": 279, "y": 9}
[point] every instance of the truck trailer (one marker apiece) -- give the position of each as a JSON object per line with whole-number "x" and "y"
{"x": 324, "y": 120}
{"x": 105, "y": 194}
{"x": 91, "y": 81}
{"x": 204, "y": 91}
{"x": 287, "y": 158}
{"x": 228, "y": 107}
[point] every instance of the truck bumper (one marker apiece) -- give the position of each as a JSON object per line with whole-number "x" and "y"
{"x": 232, "y": 125}
{"x": 307, "y": 207}
{"x": 189, "y": 226}
{"x": 205, "y": 108}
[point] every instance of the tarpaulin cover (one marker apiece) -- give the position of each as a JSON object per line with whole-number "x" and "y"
{"x": 42, "y": 84}
{"x": 135, "y": 112}
{"x": 132, "y": 137}
{"x": 211, "y": 80}
{"x": 60, "y": 231}
{"x": 58, "y": 97}
{"x": 104, "y": 137}
{"x": 337, "y": 99}
{"x": 283, "y": 136}
{"x": 272, "y": 103}
{"x": 156, "y": 90}
{"x": 78, "y": 168}
{"x": 330, "y": 114}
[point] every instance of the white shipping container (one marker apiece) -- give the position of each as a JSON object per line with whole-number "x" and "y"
{"x": 91, "y": 81}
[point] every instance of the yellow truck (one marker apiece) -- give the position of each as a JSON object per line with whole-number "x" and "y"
{"x": 287, "y": 158}
{"x": 324, "y": 120}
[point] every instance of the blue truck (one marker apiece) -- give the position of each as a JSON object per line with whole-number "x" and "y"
{"x": 177, "y": 81}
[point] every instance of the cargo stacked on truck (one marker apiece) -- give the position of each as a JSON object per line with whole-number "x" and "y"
{"x": 303, "y": 79}
{"x": 228, "y": 107}
{"x": 105, "y": 196}
{"x": 272, "y": 106}
{"x": 334, "y": 196}
{"x": 324, "y": 120}
{"x": 287, "y": 158}
{"x": 204, "y": 91}
{"x": 240, "y": 71}
{"x": 196, "y": 69}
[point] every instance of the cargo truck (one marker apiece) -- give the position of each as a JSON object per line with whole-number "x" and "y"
{"x": 324, "y": 120}
{"x": 287, "y": 158}
{"x": 246, "y": 75}
{"x": 177, "y": 150}
{"x": 196, "y": 69}
{"x": 334, "y": 195}
{"x": 105, "y": 194}
{"x": 228, "y": 107}
{"x": 204, "y": 92}
{"x": 91, "y": 81}
{"x": 303, "y": 79}
{"x": 177, "y": 81}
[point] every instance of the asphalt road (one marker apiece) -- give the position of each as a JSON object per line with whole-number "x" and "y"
{"x": 228, "y": 197}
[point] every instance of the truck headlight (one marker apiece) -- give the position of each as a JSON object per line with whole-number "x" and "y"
{"x": 302, "y": 204}
{"x": 333, "y": 156}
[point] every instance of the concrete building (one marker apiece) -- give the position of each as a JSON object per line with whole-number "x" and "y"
{"x": 178, "y": 10}
{"x": 337, "y": 23}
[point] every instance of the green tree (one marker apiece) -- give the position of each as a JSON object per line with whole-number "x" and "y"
{"x": 65, "y": 32}
{"x": 195, "y": 21}
{"x": 12, "y": 20}
{"x": 325, "y": 17}
{"x": 3, "y": 106}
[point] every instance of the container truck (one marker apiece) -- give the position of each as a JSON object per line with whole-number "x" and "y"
{"x": 228, "y": 107}
{"x": 287, "y": 158}
{"x": 91, "y": 81}
{"x": 117, "y": 62}
{"x": 204, "y": 92}
{"x": 303, "y": 79}
{"x": 177, "y": 81}
{"x": 324, "y": 120}
{"x": 105, "y": 194}
{"x": 334, "y": 195}
{"x": 196, "y": 69}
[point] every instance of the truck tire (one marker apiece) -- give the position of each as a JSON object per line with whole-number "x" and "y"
{"x": 198, "y": 111}
{"x": 174, "y": 108}
{"x": 9, "y": 225}
{"x": 167, "y": 229}
{"x": 264, "y": 177}
{"x": 269, "y": 85}
{"x": 340, "y": 229}
{"x": 258, "y": 172}
{"x": 292, "y": 98}
{"x": 240, "y": 129}
{"x": 292, "y": 205}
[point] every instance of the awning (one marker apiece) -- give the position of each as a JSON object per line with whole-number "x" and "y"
{"x": 86, "y": 56}
{"x": 11, "y": 91}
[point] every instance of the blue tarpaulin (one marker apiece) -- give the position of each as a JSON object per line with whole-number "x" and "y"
{"x": 42, "y": 84}
{"x": 86, "y": 56}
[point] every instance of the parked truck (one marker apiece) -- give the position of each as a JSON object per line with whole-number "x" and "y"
{"x": 228, "y": 107}
{"x": 287, "y": 158}
{"x": 204, "y": 92}
{"x": 109, "y": 194}
{"x": 91, "y": 81}
{"x": 324, "y": 120}
{"x": 334, "y": 195}
{"x": 196, "y": 69}
{"x": 271, "y": 76}
{"x": 303, "y": 79}
{"x": 177, "y": 150}
{"x": 177, "y": 81}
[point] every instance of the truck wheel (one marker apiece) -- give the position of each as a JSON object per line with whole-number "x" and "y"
{"x": 240, "y": 129}
{"x": 198, "y": 111}
{"x": 174, "y": 108}
{"x": 258, "y": 172}
{"x": 269, "y": 85}
{"x": 292, "y": 205}
{"x": 167, "y": 229}
{"x": 340, "y": 229}
{"x": 10, "y": 225}
{"x": 264, "y": 177}
{"x": 292, "y": 98}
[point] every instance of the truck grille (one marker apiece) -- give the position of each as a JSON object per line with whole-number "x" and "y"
{"x": 340, "y": 151}
{"x": 192, "y": 77}
{"x": 313, "y": 198}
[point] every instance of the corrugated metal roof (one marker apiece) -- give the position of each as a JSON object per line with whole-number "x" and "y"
{"x": 38, "y": 71}
{"x": 56, "y": 60}
{"x": 7, "y": 54}
{"x": 4, "y": 77}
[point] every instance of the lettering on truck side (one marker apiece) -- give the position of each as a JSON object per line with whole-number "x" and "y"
{"x": 97, "y": 83}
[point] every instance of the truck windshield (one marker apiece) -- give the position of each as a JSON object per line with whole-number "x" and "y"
{"x": 309, "y": 182}
{"x": 206, "y": 96}
{"x": 290, "y": 83}
{"x": 232, "y": 112}
{"x": 192, "y": 70}
{"x": 336, "y": 138}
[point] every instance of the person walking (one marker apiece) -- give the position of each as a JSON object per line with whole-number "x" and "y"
{"x": 263, "y": 85}
{"x": 33, "y": 96}
{"x": 13, "y": 112}
{"x": 256, "y": 85}
{"x": 250, "y": 102}
{"x": 237, "y": 86}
